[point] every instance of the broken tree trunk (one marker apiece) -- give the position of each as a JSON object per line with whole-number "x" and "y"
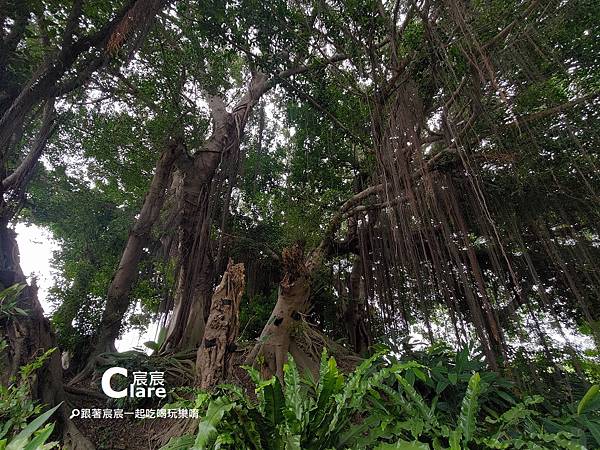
{"x": 276, "y": 339}
{"x": 222, "y": 329}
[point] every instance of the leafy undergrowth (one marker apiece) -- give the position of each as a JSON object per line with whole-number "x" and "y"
{"x": 21, "y": 418}
{"x": 389, "y": 404}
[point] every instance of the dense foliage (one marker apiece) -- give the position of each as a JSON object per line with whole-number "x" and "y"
{"x": 261, "y": 178}
{"x": 20, "y": 415}
{"x": 446, "y": 401}
{"x": 309, "y": 147}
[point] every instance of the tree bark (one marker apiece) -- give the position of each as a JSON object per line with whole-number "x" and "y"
{"x": 276, "y": 339}
{"x": 20, "y": 176}
{"x": 222, "y": 329}
{"x": 118, "y": 292}
{"x": 29, "y": 337}
{"x": 195, "y": 279}
{"x": 354, "y": 311}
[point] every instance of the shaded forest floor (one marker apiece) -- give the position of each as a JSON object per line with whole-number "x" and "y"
{"x": 129, "y": 432}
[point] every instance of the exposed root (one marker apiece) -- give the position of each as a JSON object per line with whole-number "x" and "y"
{"x": 73, "y": 439}
{"x": 89, "y": 368}
{"x": 311, "y": 342}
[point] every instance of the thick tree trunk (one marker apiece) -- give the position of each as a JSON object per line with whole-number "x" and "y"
{"x": 118, "y": 292}
{"x": 29, "y": 337}
{"x": 222, "y": 329}
{"x": 354, "y": 311}
{"x": 195, "y": 279}
{"x": 195, "y": 273}
{"x": 276, "y": 339}
{"x": 187, "y": 323}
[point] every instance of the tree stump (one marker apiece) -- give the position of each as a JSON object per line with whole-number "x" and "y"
{"x": 222, "y": 328}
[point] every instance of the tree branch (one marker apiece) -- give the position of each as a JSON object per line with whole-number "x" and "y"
{"x": 522, "y": 120}
{"x": 327, "y": 243}
{"x": 18, "y": 179}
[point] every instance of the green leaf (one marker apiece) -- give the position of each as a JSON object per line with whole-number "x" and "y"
{"x": 469, "y": 408}
{"x": 6, "y": 427}
{"x": 420, "y": 374}
{"x": 207, "y": 427}
{"x": 454, "y": 439}
{"x": 506, "y": 397}
{"x": 587, "y": 399}
{"x": 292, "y": 442}
{"x": 294, "y": 403}
{"x": 453, "y": 377}
{"x": 330, "y": 380}
{"x": 403, "y": 445}
{"x": 417, "y": 400}
{"x": 592, "y": 426}
{"x": 38, "y": 441}
{"x": 151, "y": 345}
{"x": 20, "y": 439}
{"x": 441, "y": 386}
{"x": 273, "y": 400}
{"x": 347, "y": 439}
{"x": 20, "y": 311}
{"x": 179, "y": 443}
{"x": 270, "y": 395}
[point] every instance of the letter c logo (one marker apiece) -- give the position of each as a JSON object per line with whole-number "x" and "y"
{"x": 106, "y": 376}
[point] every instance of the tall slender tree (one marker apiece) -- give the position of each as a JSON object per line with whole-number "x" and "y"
{"x": 36, "y": 72}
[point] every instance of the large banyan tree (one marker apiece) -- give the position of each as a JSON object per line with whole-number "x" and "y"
{"x": 481, "y": 137}
{"x": 472, "y": 128}
{"x": 382, "y": 169}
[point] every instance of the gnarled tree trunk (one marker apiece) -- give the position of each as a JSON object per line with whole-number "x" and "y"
{"x": 195, "y": 272}
{"x": 222, "y": 328}
{"x": 276, "y": 338}
{"x": 195, "y": 279}
{"x": 29, "y": 337}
